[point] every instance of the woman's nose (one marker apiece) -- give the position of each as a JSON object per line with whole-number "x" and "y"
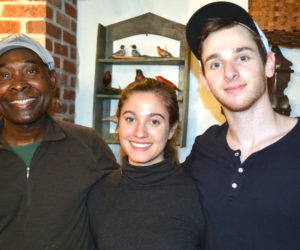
{"x": 140, "y": 130}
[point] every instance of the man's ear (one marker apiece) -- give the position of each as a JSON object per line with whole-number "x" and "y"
{"x": 53, "y": 79}
{"x": 270, "y": 64}
{"x": 204, "y": 81}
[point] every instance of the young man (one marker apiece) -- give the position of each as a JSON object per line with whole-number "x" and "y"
{"x": 248, "y": 169}
{"x": 47, "y": 167}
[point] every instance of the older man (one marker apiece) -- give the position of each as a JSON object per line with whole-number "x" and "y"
{"x": 47, "y": 167}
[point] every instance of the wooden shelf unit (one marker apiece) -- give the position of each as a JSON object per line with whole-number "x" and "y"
{"x": 145, "y": 24}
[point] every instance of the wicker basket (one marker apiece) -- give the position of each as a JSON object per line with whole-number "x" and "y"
{"x": 279, "y": 19}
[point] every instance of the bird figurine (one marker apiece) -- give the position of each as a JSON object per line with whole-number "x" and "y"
{"x": 120, "y": 52}
{"x": 166, "y": 81}
{"x": 134, "y": 51}
{"x": 107, "y": 78}
{"x": 163, "y": 53}
{"x": 110, "y": 90}
{"x": 139, "y": 75}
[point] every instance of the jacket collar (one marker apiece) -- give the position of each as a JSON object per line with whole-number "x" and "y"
{"x": 54, "y": 132}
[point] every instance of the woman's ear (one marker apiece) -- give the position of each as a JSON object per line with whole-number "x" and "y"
{"x": 173, "y": 130}
{"x": 117, "y": 121}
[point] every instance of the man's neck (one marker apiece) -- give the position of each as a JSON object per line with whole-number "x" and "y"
{"x": 255, "y": 129}
{"x": 23, "y": 134}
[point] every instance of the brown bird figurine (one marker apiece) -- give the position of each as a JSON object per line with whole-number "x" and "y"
{"x": 139, "y": 75}
{"x": 163, "y": 53}
{"x": 166, "y": 81}
{"x": 107, "y": 78}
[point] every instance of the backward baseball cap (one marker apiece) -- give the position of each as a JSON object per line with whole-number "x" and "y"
{"x": 223, "y": 10}
{"x": 20, "y": 40}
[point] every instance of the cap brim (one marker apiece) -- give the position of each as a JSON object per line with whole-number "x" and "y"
{"x": 20, "y": 40}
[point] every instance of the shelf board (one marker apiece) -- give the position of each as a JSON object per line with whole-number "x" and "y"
{"x": 146, "y": 61}
{"x": 105, "y": 96}
{"x": 111, "y": 140}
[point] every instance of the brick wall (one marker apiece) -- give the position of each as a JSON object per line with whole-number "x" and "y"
{"x": 53, "y": 23}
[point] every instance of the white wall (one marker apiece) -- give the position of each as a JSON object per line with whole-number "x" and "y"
{"x": 203, "y": 109}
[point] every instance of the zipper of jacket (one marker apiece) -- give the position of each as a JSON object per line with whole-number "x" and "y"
{"x": 28, "y": 179}
{"x": 28, "y": 187}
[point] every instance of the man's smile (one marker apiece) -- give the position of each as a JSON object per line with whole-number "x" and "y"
{"x": 23, "y": 101}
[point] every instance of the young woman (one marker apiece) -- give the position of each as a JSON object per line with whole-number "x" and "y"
{"x": 150, "y": 203}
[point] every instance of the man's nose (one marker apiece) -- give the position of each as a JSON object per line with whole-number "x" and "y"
{"x": 19, "y": 84}
{"x": 230, "y": 71}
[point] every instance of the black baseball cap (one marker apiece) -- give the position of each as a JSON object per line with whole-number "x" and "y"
{"x": 225, "y": 10}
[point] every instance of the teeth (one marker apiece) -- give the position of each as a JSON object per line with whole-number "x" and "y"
{"x": 24, "y": 101}
{"x": 139, "y": 145}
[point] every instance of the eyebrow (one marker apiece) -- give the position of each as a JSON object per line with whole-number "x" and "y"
{"x": 33, "y": 62}
{"x": 157, "y": 114}
{"x": 151, "y": 114}
{"x": 26, "y": 62}
{"x": 128, "y": 112}
{"x": 237, "y": 50}
{"x": 211, "y": 57}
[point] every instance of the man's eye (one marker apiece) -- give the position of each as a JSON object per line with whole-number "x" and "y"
{"x": 4, "y": 76}
{"x": 215, "y": 65}
{"x": 244, "y": 58}
{"x": 31, "y": 71}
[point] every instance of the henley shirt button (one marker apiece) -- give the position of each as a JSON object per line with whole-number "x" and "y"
{"x": 236, "y": 154}
{"x": 234, "y": 185}
{"x": 241, "y": 170}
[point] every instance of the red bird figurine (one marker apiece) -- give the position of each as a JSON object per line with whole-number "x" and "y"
{"x": 163, "y": 53}
{"x": 139, "y": 75}
{"x": 164, "y": 80}
{"x": 107, "y": 78}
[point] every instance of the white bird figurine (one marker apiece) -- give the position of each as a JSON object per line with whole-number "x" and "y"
{"x": 111, "y": 118}
{"x": 134, "y": 51}
{"x": 120, "y": 52}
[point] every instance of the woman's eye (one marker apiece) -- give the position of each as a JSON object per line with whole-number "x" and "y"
{"x": 129, "y": 119}
{"x": 155, "y": 122}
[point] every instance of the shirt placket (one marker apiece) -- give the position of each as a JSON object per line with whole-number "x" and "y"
{"x": 237, "y": 176}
